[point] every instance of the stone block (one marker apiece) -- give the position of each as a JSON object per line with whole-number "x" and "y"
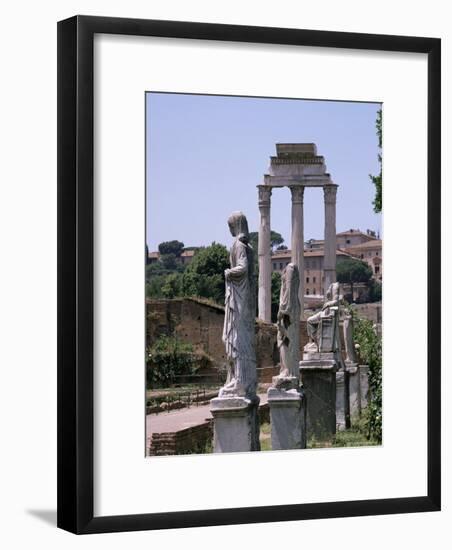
{"x": 318, "y": 377}
{"x": 342, "y": 401}
{"x": 287, "y": 418}
{"x": 364, "y": 385}
{"x": 354, "y": 389}
{"x": 236, "y": 424}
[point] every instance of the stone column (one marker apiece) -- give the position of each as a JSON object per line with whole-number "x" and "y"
{"x": 297, "y": 240}
{"x": 264, "y": 253}
{"x": 329, "y": 260}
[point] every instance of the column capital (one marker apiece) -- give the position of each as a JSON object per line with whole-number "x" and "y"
{"x": 265, "y": 193}
{"x": 297, "y": 194}
{"x": 329, "y": 194}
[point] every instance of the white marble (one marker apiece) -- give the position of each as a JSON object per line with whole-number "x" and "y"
{"x": 236, "y": 424}
{"x": 264, "y": 255}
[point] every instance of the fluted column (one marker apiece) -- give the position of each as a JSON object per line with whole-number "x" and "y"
{"x": 329, "y": 260}
{"x": 264, "y": 253}
{"x": 297, "y": 240}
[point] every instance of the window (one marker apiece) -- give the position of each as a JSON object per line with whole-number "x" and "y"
{"x": 313, "y": 280}
{"x": 274, "y": 266}
{"x": 376, "y": 253}
{"x": 377, "y": 269}
{"x": 347, "y": 241}
{"x": 362, "y": 256}
{"x": 307, "y": 291}
{"x": 307, "y": 279}
{"x": 280, "y": 266}
{"x": 314, "y": 292}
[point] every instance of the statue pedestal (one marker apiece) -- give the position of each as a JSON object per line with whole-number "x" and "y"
{"x": 318, "y": 376}
{"x": 236, "y": 424}
{"x": 364, "y": 385}
{"x": 342, "y": 401}
{"x": 287, "y": 418}
{"x": 353, "y": 389}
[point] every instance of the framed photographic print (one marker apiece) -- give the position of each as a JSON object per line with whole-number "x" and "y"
{"x": 229, "y": 348}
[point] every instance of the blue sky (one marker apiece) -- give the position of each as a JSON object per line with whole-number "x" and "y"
{"x": 206, "y": 154}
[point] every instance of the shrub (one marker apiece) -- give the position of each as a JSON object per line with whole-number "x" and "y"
{"x": 167, "y": 359}
{"x": 371, "y": 354}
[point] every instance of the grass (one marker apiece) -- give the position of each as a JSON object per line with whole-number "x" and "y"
{"x": 265, "y": 437}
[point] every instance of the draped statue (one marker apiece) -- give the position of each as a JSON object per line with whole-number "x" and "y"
{"x": 239, "y": 319}
{"x": 288, "y": 323}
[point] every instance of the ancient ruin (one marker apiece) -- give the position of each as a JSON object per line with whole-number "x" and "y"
{"x": 296, "y": 165}
{"x": 285, "y": 397}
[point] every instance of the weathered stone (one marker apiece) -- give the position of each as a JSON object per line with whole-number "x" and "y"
{"x": 364, "y": 385}
{"x": 236, "y": 424}
{"x": 342, "y": 401}
{"x": 264, "y": 255}
{"x": 329, "y": 267}
{"x": 354, "y": 390}
{"x": 238, "y": 331}
{"x": 318, "y": 377}
{"x": 323, "y": 327}
{"x": 288, "y": 418}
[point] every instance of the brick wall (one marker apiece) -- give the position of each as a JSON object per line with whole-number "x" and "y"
{"x": 201, "y": 324}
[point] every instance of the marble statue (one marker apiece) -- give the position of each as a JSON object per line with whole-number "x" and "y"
{"x": 328, "y": 316}
{"x": 239, "y": 319}
{"x": 288, "y": 324}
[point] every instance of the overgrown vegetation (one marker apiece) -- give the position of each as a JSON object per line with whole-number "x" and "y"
{"x": 377, "y": 180}
{"x": 370, "y": 352}
{"x": 169, "y": 358}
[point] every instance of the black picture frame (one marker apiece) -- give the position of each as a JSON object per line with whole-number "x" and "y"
{"x": 75, "y": 273}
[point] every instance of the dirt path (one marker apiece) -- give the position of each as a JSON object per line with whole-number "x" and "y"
{"x": 181, "y": 418}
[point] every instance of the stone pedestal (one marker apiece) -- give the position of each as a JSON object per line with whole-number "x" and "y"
{"x": 364, "y": 384}
{"x": 287, "y": 418}
{"x": 236, "y": 424}
{"x": 342, "y": 401}
{"x": 318, "y": 376}
{"x": 354, "y": 390}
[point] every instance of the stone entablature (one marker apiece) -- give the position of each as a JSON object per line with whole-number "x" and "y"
{"x": 296, "y": 166}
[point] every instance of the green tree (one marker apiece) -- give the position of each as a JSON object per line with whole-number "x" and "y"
{"x": 168, "y": 261}
{"x": 377, "y": 180}
{"x": 352, "y": 271}
{"x": 276, "y": 239}
{"x": 171, "y": 247}
{"x": 204, "y": 276}
{"x": 276, "y": 289}
{"x": 172, "y": 286}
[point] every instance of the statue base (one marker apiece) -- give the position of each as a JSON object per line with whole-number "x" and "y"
{"x": 236, "y": 424}
{"x": 354, "y": 389}
{"x": 318, "y": 376}
{"x": 342, "y": 401}
{"x": 287, "y": 418}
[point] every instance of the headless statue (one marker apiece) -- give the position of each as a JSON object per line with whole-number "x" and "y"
{"x": 239, "y": 319}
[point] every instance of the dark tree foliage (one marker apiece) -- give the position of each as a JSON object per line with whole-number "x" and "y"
{"x": 276, "y": 239}
{"x": 171, "y": 247}
{"x": 352, "y": 270}
{"x": 205, "y": 274}
{"x": 377, "y": 180}
{"x": 276, "y": 289}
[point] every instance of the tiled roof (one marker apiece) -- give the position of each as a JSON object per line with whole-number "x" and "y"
{"x": 375, "y": 243}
